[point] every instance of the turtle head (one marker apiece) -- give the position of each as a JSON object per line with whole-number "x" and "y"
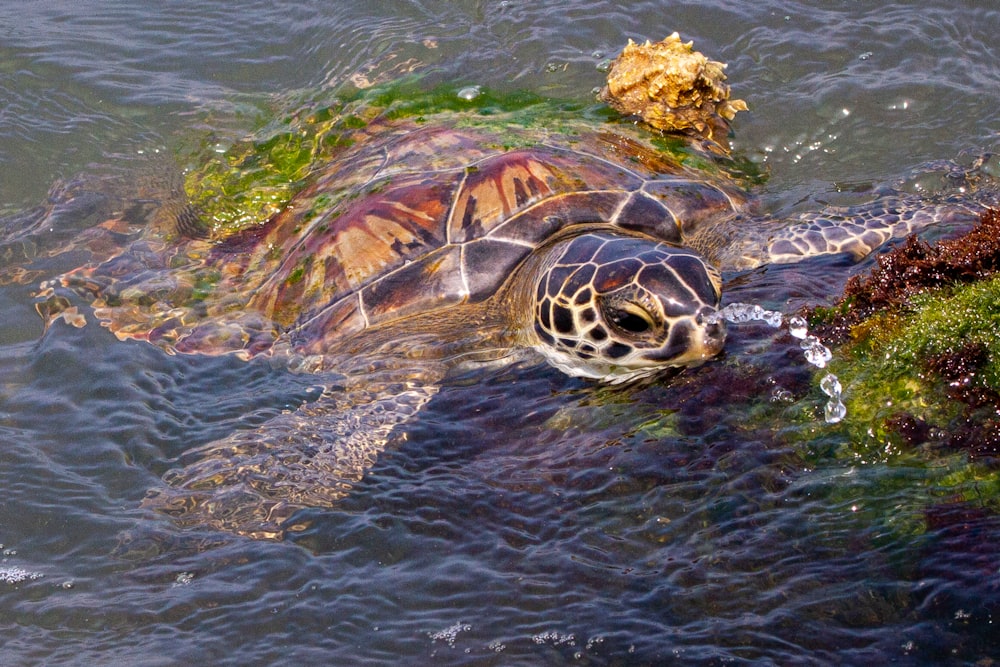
{"x": 615, "y": 307}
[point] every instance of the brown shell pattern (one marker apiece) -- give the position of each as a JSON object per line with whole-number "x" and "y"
{"x": 413, "y": 218}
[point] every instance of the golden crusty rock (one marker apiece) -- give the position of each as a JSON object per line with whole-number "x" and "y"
{"x": 672, "y": 87}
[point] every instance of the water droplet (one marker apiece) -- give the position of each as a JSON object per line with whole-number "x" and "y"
{"x": 184, "y": 578}
{"x": 469, "y": 93}
{"x": 835, "y": 409}
{"x": 816, "y": 353}
{"x": 830, "y": 385}
{"x": 797, "y": 327}
{"x": 813, "y": 349}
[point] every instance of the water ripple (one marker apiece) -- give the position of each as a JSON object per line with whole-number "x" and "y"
{"x": 523, "y": 517}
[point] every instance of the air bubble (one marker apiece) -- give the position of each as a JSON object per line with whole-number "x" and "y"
{"x": 449, "y": 635}
{"x": 554, "y": 637}
{"x": 15, "y": 575}
{"x": 469, "y": 93}
{"x": 780, "y": 395}
{"x": 183, "y": 579}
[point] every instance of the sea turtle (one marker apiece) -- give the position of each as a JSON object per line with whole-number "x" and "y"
{"x": 437, "y": 240}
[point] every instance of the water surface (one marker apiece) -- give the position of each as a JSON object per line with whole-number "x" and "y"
{"x": 524, "y": 517}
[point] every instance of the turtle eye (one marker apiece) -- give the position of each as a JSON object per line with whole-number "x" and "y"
{"x": 629, "y": 318}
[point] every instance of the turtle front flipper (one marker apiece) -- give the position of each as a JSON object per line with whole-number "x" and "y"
{"x": 859, "y": 230}
{"x": 253, "y": 481}
{"x": 854, "y": 230}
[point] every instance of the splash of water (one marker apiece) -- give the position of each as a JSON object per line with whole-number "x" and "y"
{"x": 813, "y": 349}
{"x": 835, "y": 408}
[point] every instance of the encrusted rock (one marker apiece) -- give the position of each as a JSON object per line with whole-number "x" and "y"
{"x": 672, "y": 87}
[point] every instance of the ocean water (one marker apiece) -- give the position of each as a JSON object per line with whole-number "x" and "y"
{"x": 523, "y": 517}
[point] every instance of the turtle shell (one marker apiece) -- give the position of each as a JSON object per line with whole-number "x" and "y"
{"x": 413, "y": 217}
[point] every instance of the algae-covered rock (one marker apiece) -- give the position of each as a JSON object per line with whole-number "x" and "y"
{"x": 920, "y": 350}
{"x": 672, "y": 87}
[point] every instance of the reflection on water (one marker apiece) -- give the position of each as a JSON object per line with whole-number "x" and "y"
{"x": 524, "y": 517}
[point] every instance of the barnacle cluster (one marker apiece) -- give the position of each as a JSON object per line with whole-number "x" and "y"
{"x": 672, "y": 87}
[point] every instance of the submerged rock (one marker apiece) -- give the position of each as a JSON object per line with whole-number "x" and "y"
{"x": 919, "y": 347}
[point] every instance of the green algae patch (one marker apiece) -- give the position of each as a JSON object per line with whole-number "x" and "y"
{"x": 928, "y": 364}
{"x": 240, "y": 185}
{"x": 919, "y": 339}
{"x": 918, "y": 355}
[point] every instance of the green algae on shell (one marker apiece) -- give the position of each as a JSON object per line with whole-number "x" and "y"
{"x": 238, "y": 184}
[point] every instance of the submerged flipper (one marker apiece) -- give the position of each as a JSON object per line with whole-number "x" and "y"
{"x": 859, "y": 230}
{"x": 855, "y": 230}
{"x": 253, "y": 481}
